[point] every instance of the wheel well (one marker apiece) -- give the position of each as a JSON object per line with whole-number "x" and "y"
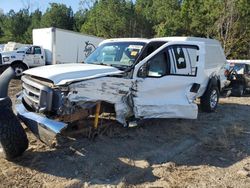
{"x": 213, "y": 81}
{"x": 20, "y": 62}
{"x": 218, "y": 84}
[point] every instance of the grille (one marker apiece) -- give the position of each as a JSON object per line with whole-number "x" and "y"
{"x": 36, "y": 95}
{"x": 1, "y": 59}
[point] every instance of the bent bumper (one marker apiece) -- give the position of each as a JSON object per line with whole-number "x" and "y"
{"x": 45, "y": 129}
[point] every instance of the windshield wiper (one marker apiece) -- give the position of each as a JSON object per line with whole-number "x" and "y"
{"x": 111, "y": 65}
{"x": 98, "y": 63}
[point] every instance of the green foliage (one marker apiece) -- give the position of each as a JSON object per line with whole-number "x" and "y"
{"x": 109, "y": 19}
{"x": 35, "y": 23}
{"x": 225, "y": 20}
{"x": 79, "y": 19}
{"x": 58, "y": 15}
{"x": 15, "y": 25}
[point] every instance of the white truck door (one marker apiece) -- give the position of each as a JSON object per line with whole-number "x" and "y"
{"x": 39, "y": 59}
{"x": 34, "y": 57}
{"x": 167, "y": 81}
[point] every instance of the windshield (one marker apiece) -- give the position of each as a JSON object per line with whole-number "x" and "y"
{"x": 22, "y": 49}
{"x": 121, "y": 54}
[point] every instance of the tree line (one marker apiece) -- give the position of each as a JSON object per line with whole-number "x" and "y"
{"x": 224, "y": 20}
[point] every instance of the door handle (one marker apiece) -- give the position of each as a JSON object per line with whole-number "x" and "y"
{"x": 42, "y": 57}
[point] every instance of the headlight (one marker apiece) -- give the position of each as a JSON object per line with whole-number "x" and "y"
{"x": 6, "y": 59}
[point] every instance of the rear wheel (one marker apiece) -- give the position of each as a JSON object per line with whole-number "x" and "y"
{"x": 210, "y": 99}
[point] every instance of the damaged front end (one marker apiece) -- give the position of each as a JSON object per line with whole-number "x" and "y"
{"x": 49, "y": 110}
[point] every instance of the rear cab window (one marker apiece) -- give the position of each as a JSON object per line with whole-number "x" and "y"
{"x": 184, "y": 59}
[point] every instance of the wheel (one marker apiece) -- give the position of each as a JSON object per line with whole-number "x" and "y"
{"x": 13, "y": 139}
{"x": 238, "y": 90}
{"x": 210, "y": 99}
{"x": 19, "y": 68}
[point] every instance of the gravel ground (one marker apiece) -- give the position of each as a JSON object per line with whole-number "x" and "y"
{"x": 212, "y": 151}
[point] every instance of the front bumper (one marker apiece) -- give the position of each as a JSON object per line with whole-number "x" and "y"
{"x": 45, "y": 129}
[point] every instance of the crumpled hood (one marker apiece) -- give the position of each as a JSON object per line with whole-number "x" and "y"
{"x": 61, "y": 74}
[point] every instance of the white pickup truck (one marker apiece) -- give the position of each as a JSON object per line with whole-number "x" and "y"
{"x": 50, "y": 46}
{"x": 133, "y": 78}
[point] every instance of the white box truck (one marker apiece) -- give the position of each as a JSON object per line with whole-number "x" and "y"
{"x": 50, "y": 46}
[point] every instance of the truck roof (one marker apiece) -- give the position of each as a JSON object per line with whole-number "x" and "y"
{"x": 144, "y": 40}
{"x": 240, "y": 61}
{"x": 167, "y": 39}
{"x": 198, "y": 39}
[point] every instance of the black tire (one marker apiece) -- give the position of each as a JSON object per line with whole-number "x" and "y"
{"x": 210, "y": 99}
{"x": 19, "y": 68}
{"x": 13, "y": 139}
{"x": 238, "y": 90}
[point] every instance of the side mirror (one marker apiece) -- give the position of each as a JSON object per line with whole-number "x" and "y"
{"x": 143, "y": 71}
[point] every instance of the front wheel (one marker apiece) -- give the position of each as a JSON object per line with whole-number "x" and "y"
{"x": 210, "y": 99}
{"x": 19, "y": 68}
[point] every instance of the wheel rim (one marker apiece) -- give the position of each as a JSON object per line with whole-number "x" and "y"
{"x": 213, "y": 99}
{"x": 19, "y": 71}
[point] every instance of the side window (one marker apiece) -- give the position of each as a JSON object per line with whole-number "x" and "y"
{"x": 29, "y": 51}
{"x": 184, "y": 59}
{"x": 158, "y": 66}
{"x": 37, "y": 50}
{"x": 150, "y": 48}
{"x": 193, "y": 58}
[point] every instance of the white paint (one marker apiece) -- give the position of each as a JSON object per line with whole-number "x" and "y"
{"x": 125, "y": 40}
{"x": 166, "y": 97}
{"x": 63, "y": 46}
{"x": 170, "y": 96}
{"x": 67, "y": 73}
{"x": 238, "y": 61}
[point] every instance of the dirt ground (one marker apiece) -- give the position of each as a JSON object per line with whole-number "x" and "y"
{"x": 212, "y": 151}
